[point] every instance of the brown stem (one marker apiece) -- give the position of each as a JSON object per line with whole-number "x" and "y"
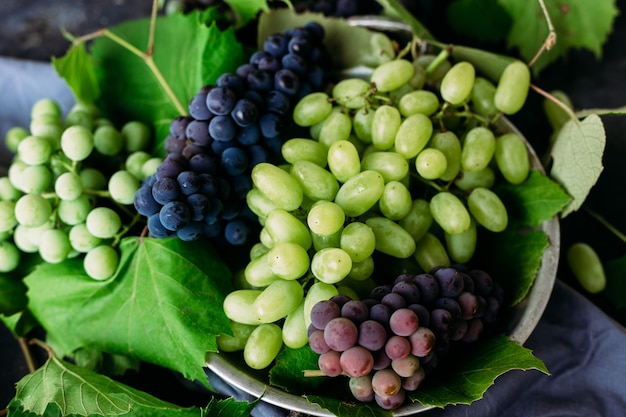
{"x": 558, "y": 102}
{"x": 550, "y": 40}
{"x": 30, "y": 364}
{"x": 150, "y": 48}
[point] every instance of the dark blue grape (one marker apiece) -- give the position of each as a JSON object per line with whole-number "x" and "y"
{"x": 232, "y": 208}
{"x": 191, "y": 149}
{"x": 199, "y": 204}
{"x": 244, "y": 70}
{"x": 165, "y": 189}
{"x": 394, "y": 300}
{"x": 248, "y": 135}
{"x": 222, "y": 128}
{"x": 260, "y": 80}
{"x": 408, "y": 290}
{"x": 300, "y": 45}
{"x": 191, "y": 231}
{"x": 234, "y": 161}
{"x": 381, "y": 313}
{"x": 315, "y": 30}
{"x": 215, "y": 211}
{"x": 236, "y": 232}
{"x": 355, "y": 310}
{"x": 173, "y": 145}
{"x": 271, "y": 125}
{"x": 144, "y": 202}
{"x": 178, "y": 126}
{"x": 450, "y": 282}
{"x": 286, "y": 81}
{"x": 221, "y": 100}
{"x": 208, "y": 185}
{"x": 232, "y": 81}
{"x": 483, "y": 283}
{"x": 203, "y": 163}
{"x": 449, "y": 304}
{"x": 422, "y": 314}
{"x": 278, "y": 102}
{"x": 428, "y": 287}
{"x": 156, "y": 228}
{"x": 174, "y": 215}
{"x": 171, "y": 166}
{"x": 440, "y": 320}
{"x": 269, "y": 63}
{"x": 198, "y": 133}
{"x": 274, "y": 144}
{"x": 255, "y": 97}
{"x": 245, "y": 112}
{"x": 213, "y": 230}
{"x": 305, "y": 89}
{"x": 189, "y": 182}
{"x": 492, "y": 308}
{"x": 256, "y": 57}
{"x": 295, "y": 63}
{"x": 315, "y": 76}
{"x": 241, "y": 184}
{"x": 380, "y": 291}
{"x": 220, "y": 146}
{"x": 276, "y": 44}
{"x": 340, "y": 299}
{"x": 256, "y": 155}
{"x": 198, "y": 108}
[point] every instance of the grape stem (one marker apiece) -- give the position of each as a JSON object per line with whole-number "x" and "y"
{"x": 28, "y": 358}
{"x": 442, "y": 56}
{"x": 621, "y": 236}
{"x": 125, "y": 229}
{"x": 550, "y": 40}
{"x": 309, "y": 373}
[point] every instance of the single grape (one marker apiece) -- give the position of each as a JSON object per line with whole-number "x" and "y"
{"x": 103, "y": 222}
{"x": 9, "y": 256}
{"x": 386, "y": 382}
{"x": 32, "y": 210}
{"x": 372, "y": 335}
{"x": 34, "y": 150}
{"x": 288, "y": 260}
{"x": 330, "y": 363}
{"x": 77, "y": 142}
{"x": 81, "y": 239}
{"x": 356, "y": 361}
{"x": 72, "y": 212}
{"x": 361, "y": 388}
{"x": 263, "y": 345}
{"x": 54, "y": 246}
{"x": 355, "y": 310}
{"x": 123, "y": 186}
{"x": 136, "y": 135}
{"x": 68, "y": 186}
{"x": 403, "y": 322}
{"x": 8, "y": 221}
{"x": 340, "y": 334}
{"x": 108, "y": 140}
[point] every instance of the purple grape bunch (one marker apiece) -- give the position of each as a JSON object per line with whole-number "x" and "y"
{"x": 389, "y": 342}
{"x": 200, "y": 187}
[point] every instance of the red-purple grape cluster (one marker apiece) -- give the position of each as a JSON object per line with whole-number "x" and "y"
{"x": 387, "y": 343}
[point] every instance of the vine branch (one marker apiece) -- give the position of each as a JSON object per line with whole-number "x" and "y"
{"x": 550, "y": 40}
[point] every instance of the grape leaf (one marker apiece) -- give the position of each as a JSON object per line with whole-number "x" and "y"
{"x": 12, "y": 295}
{"x": 188, "y": 52}
{"x": 534, "y": 201}
{"x": 481, "y": 20}
{"x": 80, "y": 392}
{"x": 577, "y": 154}
{"x": 246, "y": 10}
{"x": 163, "y": 306}
{"x": 228, "y": 408}
{"x": 287, "y": 373}
{"x": 348, "y": 407}
{"x": 615, "y": 290}
{"x": 578, "y": 24}
{"x": 77, "y": 68}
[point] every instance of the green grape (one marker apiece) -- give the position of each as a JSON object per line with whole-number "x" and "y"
{"x": 312, "y": 109}
{"x": 512, "y": 158}
{"x": 586, "y": 266}
{"x": 315, "y": 182}
{"x": 385, "y": 125}
{"x": 135, "y": 161}
{"x": 337, "y": 126}
{"x": 298, "y": 149}
{"x": 35, "y": 179}
{"x": 512, "y": 88}
{"x": 325, "y": 218}
{"x": 317, "y": 292}
{"x": 45, "y": 106}
{"x": 362, "y": 270}
{"x": 32, "y": 210}
{"x": 331, "y": 265}
{"x": 54, "y": 246}
{"x": 47, "y": 127}
{"x": 288, "y": 260}
{"x": 13, "y": 137}
{"x": 392, "y": 75}
{"x": 258, "y": 203}
{"x": 434, "y": 74}
{"x": 34, "y": 150}
{"x": 430, "y": 252}
{"x": 263, "y": 346}
{"x": 72, "y": 212}
{"x": 362, "y": 124}
{"x": 396, "y": 95}
{"x": 358, "y": 240}
{"x": 391, "y": 238}
{"x": 413, "y": 135}
{"x": 431, "y": 163}
{"x": 391, "y": 165}
{"x": 108, "y": 140}
{"x": 7, "y": 215}
{"x": 381, "y": 50}
{"x": 449, "y": 144}
{"x": 456, "y": 85}
{"x": 257, "y": 250}
{"x": 15, "y": 172}
{"x": 278, "y": 186}
{"x": 395, "y": 202}
{"x": 236, "y": 342}
{"x": 122, "y": 186}
{"x": 103, "y": 222}
{"x": 555, "y": 114}
{"x": 482, "y": 97}
{"x": 238, "y": 304}
{"x": 136, "y": 136}
{"x": 295, "y": 333}
{"x": 488, "y": 209}
{"x": 77, "y": 142}
{"x": 7, "y": 191}
{"x": 343, "y": 160}
{"x": 461, "y": 246}
{"x": 418, "y": 220}
{"x": 81, "y": 240}
{"x": 468, "y": 180}
{"x": 25, "y": 239}
{"x": 148, "y": 168}
{"x": 360, "y": 193}
{"x": 277, "y": 300}
{"x": 258, "y": 272}
{"x": 93, "y": 179}
{"x": 326, "y": 241}
{"x": 419, "y": 76}
{"x": 68, "y": 186}
{"x": 449, "y": 212}
{"x": 283, "y": 226}
{"x": 479, "y": 147}
{"x": 9, "y": 256}
{"x": 418, "y": 101}
{"x": 351, "y": 92}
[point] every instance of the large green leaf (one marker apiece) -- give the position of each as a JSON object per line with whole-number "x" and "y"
{"x": 77, "y": 68}
{"x": 12, "y": 295}
{"x": 164, "y": 304}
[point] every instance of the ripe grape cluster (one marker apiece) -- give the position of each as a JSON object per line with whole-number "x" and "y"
{"x": 389, "y": 342}
{"x": 69, "y": 186}
{"x": 233, "y": 125}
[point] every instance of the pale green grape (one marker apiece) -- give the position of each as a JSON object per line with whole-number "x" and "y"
{"x": 136, "y": 136}
{"x": 7, "y": 215}
{"x": 108, "y": 140}
{"x": 277, "y": 300}
{"x": 103, "y": 222}
{"x": 25, "y": 240}
{"x": 68, "y": 186}
{"x": 312, "y": 109}
{"x": 479, "y": 147}
{"x": 13, "y": 137}
{"x": 50, "y": 130}
{"x": 317, "y": 292}
{"x": 381, "y": 50}
{"x": 236, "y": 342}
{"x": 258, "y": 272}
{"x": 488, "y": 210}
{"x": 391, "y": 165}
{"x": 418, "y": 101}
{"x": 45, "y": 106}
{"x": 413, "y": 135}
{"x": 326, "y": 241}
{"x": 395, "y": 202}
{"x": 512, "y": 158}
{"x": 32, "y": 210}
{"x": 278, "y": 186}
{"x": 75, "y": 211}
{"x": 237, "y": 306}
{"x": 298, "y": 149}
{"x": 81, "y": 240}
{"x": 35, "y": 179}
{"x": 122, "y": 186}
{"x": 325, "y": 218}
{"x": 449, "y": 212}
{"x": 469, "y": 180}
{"x": 418, "y": 220}
{"x": 34, "y": 150}
{"x": 358, "y": 240}
{"x": 149, "y": 167}
{"x": 54, "y": 246}
{"x": 430, "y": 252}
{"x": 360, "y": 193}
{"x": 331, "y": 265}
{"x": 135, "y": 161}
{"x": 343, "y": 160}
{"x": 482, "y": 97}
{"x": 258, "y": 249}
{"x": 294, "y": 330}
{"x": 512, "y": 88}
{"x": 263, "y": 345}
{"x": 258, "y": 203}
{"x": 392, "y": 75}
{"x": 391, "y": 238}
{"x": 77, "y": 142}
{"x": 419, "y": 77}
{"x": 555, "y": 114}
{"x": 283, "y": 226}
{"x": 431, "y": 163}
{"x": 456, "y": 85}
{"x": 288, "y": 260}
{"x": 351, "y": 92}
{"x": 8, "y": 191}
{"x": 586, "y": 266}
{"x": 362, "y": 270}
{"x": 461, "y": 247}
{"x": 450, "y": 145}
{"x": 14, "y": 173}
{"x": 93, "y": 179}
{"x": 362, "y": 124}
{"x": 385, "y": 125}
{"x": 434, "y": 74}
{"x": 9, "y": 256}
{"x": 101, "y": 262}
{"x": 336, "y": 127}
{"x": 315, "y": 182}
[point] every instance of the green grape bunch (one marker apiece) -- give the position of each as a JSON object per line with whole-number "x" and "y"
{"x": 68, "y": 189}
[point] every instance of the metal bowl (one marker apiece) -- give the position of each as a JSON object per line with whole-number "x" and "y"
{"x": 523, "y": 319}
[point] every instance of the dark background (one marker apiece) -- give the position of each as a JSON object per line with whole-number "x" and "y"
{"x": 31, "y": 30}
